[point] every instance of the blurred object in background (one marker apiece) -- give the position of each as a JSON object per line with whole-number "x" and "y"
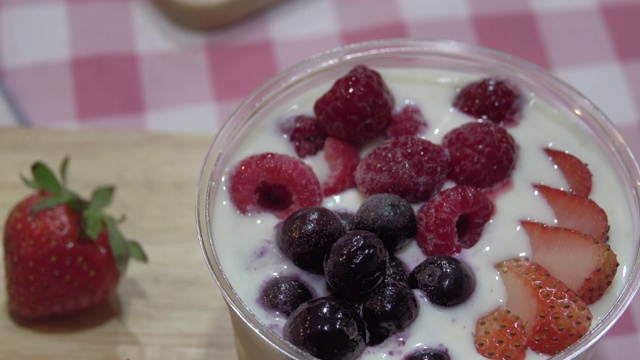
{"x": 208, "y": 14}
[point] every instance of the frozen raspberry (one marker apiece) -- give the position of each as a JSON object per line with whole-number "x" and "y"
{"x": 342, "y": 158}
{"x": 275, "y": 183}
{"x": 408, "y": 121}
{"x": 305, "y": 133}
{"x": 408, "y": 166}
{"x": 357, "y": 107}
{"x": 482, "y": 154}
{"x": 452, "y": 220}
{"x": 490, "y": 99}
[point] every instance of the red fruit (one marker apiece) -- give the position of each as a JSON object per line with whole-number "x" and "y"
{"x": 554, "y": 316}
{"x": 62, "y": 254}
{"x": 276, "y": 183}
{"x": 576, "y": 212}
{"x": 490, "y": 99}
{"x": 343, "y": 158}
{"x": 574, "y": 171}
{"x": 500, "y": 335}
{"x": 358, "y": 106}
{"x": 306, "y": 134}
{"x": 409, "y": 121}
{"x": 408, "y": 166}
{"x": 453, "y": 219}
{"x": 586, "y": 265}
{"x": 482, "y": 154}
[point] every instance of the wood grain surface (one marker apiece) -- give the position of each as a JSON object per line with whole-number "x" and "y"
{"x": 209, "y": 14}
{"x": 169, "y": 308}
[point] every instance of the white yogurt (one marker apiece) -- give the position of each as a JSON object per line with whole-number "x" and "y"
{"x": 249, "y": 255}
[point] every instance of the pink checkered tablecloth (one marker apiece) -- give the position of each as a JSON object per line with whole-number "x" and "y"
{"x": 122, "y": 64}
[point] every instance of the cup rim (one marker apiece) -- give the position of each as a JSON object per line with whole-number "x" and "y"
{"x": 389, "y": 47}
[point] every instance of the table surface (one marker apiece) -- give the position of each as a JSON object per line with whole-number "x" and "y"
{"x": 123, "y": 66}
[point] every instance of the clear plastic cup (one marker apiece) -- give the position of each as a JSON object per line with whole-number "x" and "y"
{"x": 254, "y": 340}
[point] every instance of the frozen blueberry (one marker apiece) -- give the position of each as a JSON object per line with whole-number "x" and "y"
{"x": 390, "y": 217}
{"x": 307, "y": 235}
{"x": 396, "y": 270}
{"x": 348, "y": 219}
{"x": 356, "y": 264}
{"x": 326, "y": 328}
{"x": 428, "y": 354}
{"x": 445, "y": 280}
{"x": 389, "y": 308}
{"x": 285, "y": 294}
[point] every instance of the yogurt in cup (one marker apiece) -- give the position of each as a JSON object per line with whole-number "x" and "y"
{"x": 240, "y": 250}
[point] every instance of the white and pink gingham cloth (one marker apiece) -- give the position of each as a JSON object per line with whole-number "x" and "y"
{"x": 122, "y": 64}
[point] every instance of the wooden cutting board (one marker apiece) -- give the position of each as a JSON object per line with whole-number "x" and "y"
{"x": 169, "y": 308}
{"x": 208, "y": 14}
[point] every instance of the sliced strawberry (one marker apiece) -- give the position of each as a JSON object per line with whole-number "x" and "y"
{"x": 585, "y": 264}
{"x": 501, "y": 335}
{"x": 554, "y": 316}
{"x": 576, "y": 212}
{"x": 574, "y": 171}
{"x": 342, "y": 158}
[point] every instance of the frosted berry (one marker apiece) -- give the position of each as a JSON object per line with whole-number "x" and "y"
{"x": 327, "y": 328}
{"x": 390, "y": 308}
{"x": 390, "y": 217}
{"x": 285, "y": 294}
{"x": 494, "y": 100}
{"x": 452, "y": 220}
{"x": 305, "y": 134}
{"x": 396, "y": 270}
{"x": 356, "y": 264}
{"x": 276, "y": 183}
{"x": 445, "y": 280}
{"x": 428, "y": 354}
{"x": 358, "y": 106}
{"x": 307, "y": 235}
{"x": 342, "y": 158}
{"x": 482, "y": 154}
{"x": 408, "y": 166}
{"x": 409, "y": 121}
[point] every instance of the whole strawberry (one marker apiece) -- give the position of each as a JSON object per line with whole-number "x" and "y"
{"x": 62, "y": 253}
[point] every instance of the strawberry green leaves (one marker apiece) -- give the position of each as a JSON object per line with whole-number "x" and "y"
{"x": 94, "y": 218}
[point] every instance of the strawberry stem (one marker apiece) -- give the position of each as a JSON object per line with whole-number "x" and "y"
{"x": 92, "y": 211}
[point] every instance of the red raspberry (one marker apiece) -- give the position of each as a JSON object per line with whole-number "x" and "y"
{"x": 277, "y": 183}
{"x": 453, "y": 219}
{"x": 482, "y": 154}
{"x": 408, "y": 121}
{"x": 305, "y": 133}
{"x": 490, "y": 99}
{"x": 342, "y": 158}
{"x": 357, "y": 107}
{"x": 408, "y": 166}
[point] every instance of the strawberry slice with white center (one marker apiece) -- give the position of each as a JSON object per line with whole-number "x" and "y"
{"x": 574, "y": 171}
{"x": 576, "y": 212}
{"x": 500, "y": 335}
{"x": 554, "y": 316}
{"x": 585, "y": 264}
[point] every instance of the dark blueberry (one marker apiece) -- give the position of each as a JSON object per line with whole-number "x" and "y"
{"x": 326, "y": 328}
{"x": 396, "y": 270}
{"x": 389, "y": 308}
{"x": 306, "y": 236}
{"x": 356, "y": 264}
{"x": 390, "y": 217}
{"x": 445, "y": 280}
{"x": 428, "y": 354}
{"x": 285, "y": 294}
